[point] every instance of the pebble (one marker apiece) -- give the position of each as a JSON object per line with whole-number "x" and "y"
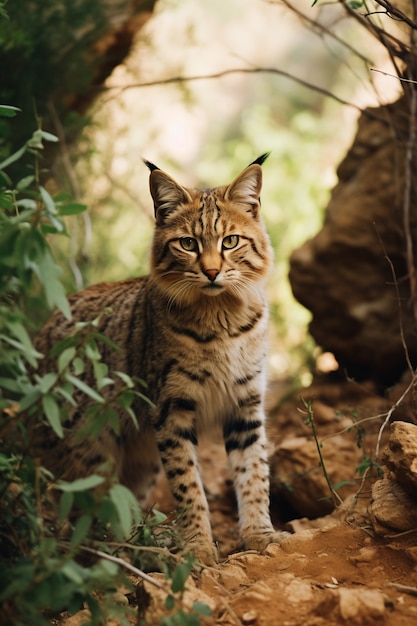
{"x": 356, "y": 602}
{"x": 233, "y": 576}
{"x": 260, "y": 592}
{"x": 365, "y": 555}
{"x": 250, "y": 617}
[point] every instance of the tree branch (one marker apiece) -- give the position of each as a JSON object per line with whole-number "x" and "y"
{"x": 243, "y": 70}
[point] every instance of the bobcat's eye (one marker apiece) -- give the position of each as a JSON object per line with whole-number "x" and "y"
{"x": 230, "y": 242}
{"x": 189, "y": 244}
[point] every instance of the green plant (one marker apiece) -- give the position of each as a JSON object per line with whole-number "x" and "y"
{"x": 59, "y": 540}
{"x": 333, "y": 487}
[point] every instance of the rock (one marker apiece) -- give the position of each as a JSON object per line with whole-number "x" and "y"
{"x": 400, "y": 456}
{"x": 259, "y": 592}
{"x": 250, "y": 617}
{"x": 365, "y": 555}
{"x": 296, "y": 474}
{"x": 361, "y": 606}
{"x": 394, "y": 498}
{"x": 232, "y": 576}
{"x": 342, "y": 275}
{"x": 356, "y": 607}
{"x": 152, "y": 600}
{"x": 299, "y": 591}
{"x": 392, "y": 508}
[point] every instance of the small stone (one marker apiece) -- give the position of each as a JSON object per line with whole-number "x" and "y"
{"x": 357, "y": 603}
{"x": 249, "y": 557}
{"x": 400, "y": 456}
{"x": 250, "y": 617}
{"x": 232, "y": 576}
{"x": 412, "y": 553}
{"x": 259, "y": 592}
{"x": 392, "y": 507}
{"x": 299, "y": 591}
{"x": 365, "y": 555}
{"x": 272, "y": 550}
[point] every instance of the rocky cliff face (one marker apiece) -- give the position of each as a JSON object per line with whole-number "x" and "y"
{"x": 354, "y": 274}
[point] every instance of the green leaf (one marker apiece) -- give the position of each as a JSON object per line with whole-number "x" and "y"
{"x": 78, "y": 366}
{"x": 73, "y": 208}
{"x": 56, "y": 225}
{"x": 65, "y": 504}
{"x": 124, "y": 501}
{"x": 51, "y": 410}
{"x": 8, "y": 110}
{"x": 201, "y": 608}
{"x": 126, "y": 379}
{"x": 26, "y": 203}
{"x": 13, "y": 157}
{"x": 47, "y": 382}
{"x": 112, "y": 419}
{"x": 25, "y": 182}
{"x": 82, "y": 386}
{"x": 100, "y": 371}
{"x": 169, "y": 603}
{"x": 65, "y": 358}
{"x": 81, "y": 530}
{"x": 47, "y": 272}
{"x": 91, "y": 351}
{"x": 48, "y": 136}
{"x": 74, "y": 572}
{"x": 29, "y": 399}
{"x": 180, "y": 575}
{"x": 80, "y": 484}
{"x": 342, "y": 483}
{"x": 10, "y": 383}
{"x": 66, "y": 391}
{"x": 48, "y": 200}
{"x": 107, "y": 512}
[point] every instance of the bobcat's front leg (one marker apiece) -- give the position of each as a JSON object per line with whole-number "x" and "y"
{"x": 177, "y": 442}
{"x": 245, "y": 442}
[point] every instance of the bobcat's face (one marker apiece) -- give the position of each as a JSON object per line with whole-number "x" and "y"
{"x": 209, "y": 243}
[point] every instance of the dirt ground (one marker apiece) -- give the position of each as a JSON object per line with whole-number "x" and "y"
{"x": 333, "y": 570}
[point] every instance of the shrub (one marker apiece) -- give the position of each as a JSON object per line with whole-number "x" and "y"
{"x": 45, "y": 568}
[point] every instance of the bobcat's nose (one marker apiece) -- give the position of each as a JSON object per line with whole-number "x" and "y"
{"x": 211, "y": 274}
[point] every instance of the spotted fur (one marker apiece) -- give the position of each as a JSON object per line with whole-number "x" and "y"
{"x": 195, "y": 329}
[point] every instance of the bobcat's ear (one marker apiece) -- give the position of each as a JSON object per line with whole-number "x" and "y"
{"x": 166, "y": 193}
{"x": 246, "y": 188}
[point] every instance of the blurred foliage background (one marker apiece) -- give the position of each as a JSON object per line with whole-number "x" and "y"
{"x": 202, "y": 131}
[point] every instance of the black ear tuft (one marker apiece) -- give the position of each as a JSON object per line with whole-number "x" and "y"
{"x": 260, "y": 159}
{"x": 150, "y": 165}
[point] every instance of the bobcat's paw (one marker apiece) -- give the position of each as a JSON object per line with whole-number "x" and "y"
{"x": 259, "y": 541}
{"x": 205, "y": 553}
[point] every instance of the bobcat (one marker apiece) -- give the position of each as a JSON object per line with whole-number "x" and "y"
{"x": 195, "y": 329}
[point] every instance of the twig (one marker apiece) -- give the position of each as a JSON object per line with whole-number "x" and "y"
{"x": 244, "y": 70}
{"x": 389, "y": 414}
{"x": 126, "y": 565}
{"x": 411, "y": 590}
{"x": 400, "y": 78}
{"x": 393, "y": 11}
{"x": 397, "y": 292}
{"x": 310, "y": 422}
{"x": 319, "y": 28}
{"x": 354, "y": 424}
